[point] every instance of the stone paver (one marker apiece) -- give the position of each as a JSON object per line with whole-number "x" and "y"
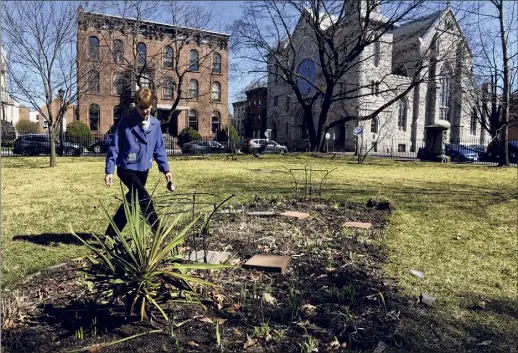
{"x": 213, "y": 257}
{"x": 296, "y": 214}
{"x": 427, "y": 299}
{"x": 416, "y": 273}
{"x": 268, "y": 263}
{"x": 357, "y": 225}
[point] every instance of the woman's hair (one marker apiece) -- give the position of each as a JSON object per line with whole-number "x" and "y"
{"x": 144, "y": 97}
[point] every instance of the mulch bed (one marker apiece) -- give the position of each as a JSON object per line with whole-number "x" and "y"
{"x": 333, "y": 291}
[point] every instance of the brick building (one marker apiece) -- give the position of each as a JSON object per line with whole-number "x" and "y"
{"x": 239, "y": 116}
{"x": 117, "y": 55}
{"x": 255, "y": 112}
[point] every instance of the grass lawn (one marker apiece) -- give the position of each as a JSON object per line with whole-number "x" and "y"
{"x": 455, "y": 223}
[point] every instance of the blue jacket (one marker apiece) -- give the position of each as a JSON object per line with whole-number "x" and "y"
{"x": 133, "y": 148}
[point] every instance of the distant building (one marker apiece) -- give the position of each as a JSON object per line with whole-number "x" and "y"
{"x": 106, "y": 47}
{"x": 10, "y": 108}
{"x": 239, "y": 116}
{"x": 255, "y": 120}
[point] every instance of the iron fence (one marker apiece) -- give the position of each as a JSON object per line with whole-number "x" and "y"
{"x": 465, "y": 151}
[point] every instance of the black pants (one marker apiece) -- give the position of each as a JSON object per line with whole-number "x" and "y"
{"x": 135, "y": 181}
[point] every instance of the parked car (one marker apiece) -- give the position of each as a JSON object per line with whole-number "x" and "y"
{"x": 101, "y": 145}
{"x": 301, "y": 145}
{"x": 459, "y": 153}
{"x": 483, "y": 156}
{"x": 493, "y": 151}
{"x": 35, "y": 144}
{"x": 203, "y": 147}
{"x": 262, "y": 146}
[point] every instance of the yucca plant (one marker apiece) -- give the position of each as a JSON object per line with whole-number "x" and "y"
{"x": 140, "y": 268}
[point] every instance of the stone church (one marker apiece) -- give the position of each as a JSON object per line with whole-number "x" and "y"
{"x": 383, "y": 71}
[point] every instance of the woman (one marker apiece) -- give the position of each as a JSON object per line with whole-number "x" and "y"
{"x": 136, "y": 142}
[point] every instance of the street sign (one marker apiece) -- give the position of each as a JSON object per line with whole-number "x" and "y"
{"x": 328, "y": 135}
{"x": 357, "y": 130}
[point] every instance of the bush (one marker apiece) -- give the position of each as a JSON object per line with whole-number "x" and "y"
{"x": 187, "y": 135}
{"x": 8, "y": 133}
{"x": 142, "y": 269}
{"x": 27, "y": 127}
{"x": 79, "y": 132}
{"x": 228, "y": 132}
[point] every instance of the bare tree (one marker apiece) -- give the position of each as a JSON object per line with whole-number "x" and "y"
{"x": 160, "y": 69}
{"x": 342, "y": 35}
{"x": 40, "y": 41}
{"x": 495, "y": 55}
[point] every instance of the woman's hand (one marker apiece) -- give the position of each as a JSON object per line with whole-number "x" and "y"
{"x": 108, "y": 180}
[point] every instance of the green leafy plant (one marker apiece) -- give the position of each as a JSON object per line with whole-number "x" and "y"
{"x": 140, "y": 268}
{"x": 27, "y": 127}
{"x": 309, "y": 345}
{"x": 187, "y": 135}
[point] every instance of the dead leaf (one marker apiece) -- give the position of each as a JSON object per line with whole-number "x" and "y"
{"x": 218, "y": 300}
{"x": 206, "y": 320}
{"x": 249, "y": 342}
{"x": 334, "y": 344}
{"x": 269, "y": 299}
{"x": 193, "y": 344}
{"x": 236, "y": 332}
{"x": 316, "y": 328}
{"x": 221, "y": 321}
{"x": 485, "y": 343}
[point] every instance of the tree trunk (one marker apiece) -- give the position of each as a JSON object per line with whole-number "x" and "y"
{"x": 52, "y": 138}
{"x": 504, "y": 117}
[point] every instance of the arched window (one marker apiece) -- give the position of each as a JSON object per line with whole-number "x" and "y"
{"x": 94, "y": 116}
{"x": 374, "y": 125}
{"x": 216, "y": 63}
{"x": 215, "y": 121}
{"x": 118, "y": 113}
{"x": 118, "y": 50}
{"x": 445, "y": 94}
{"x": 118, "y": 83}
{"x": 93, "y": 81}
{"x": 193, "y": 119}
{"x": 194, "y": 60}
{"x": 377, "y": 52}
{"x": 168, "y": 57}
{"x": 473, "y": 122}
{"x": 93, "y": 48}
{"x": 216, "y": 91}
{"x": 193, "y": 89}
{"x": 168, "y": 89}
{"x": 403, "y": 113}
{"x": 142, "y": 53}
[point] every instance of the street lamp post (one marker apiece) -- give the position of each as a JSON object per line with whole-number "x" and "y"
{"x": 61, "y": 93}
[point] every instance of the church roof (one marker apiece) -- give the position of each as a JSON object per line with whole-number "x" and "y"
{"x": 419, "y": 26}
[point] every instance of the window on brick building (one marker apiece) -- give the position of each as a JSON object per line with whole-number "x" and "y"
{"x": 145, "y": 80}
{"x": 215, "y": 122}
{"x": 118, "y": 113}
{"x": 403, "y": 113}
{"x": 168, "y": 89}
{"x": 94, "y": 116}
{"x": 168, "y": 57}
{"x": 193, "y": 119}
{"x": 93, "y": 81}
{"x": 194, "y": 60}
{"x": 216, "y": 91}
{"x": 193, "y": 89}
{"x": 374, "y": 125}
{"x": 142, "y": 53}
{"x": 118, "y": 50}
{"x": 216, "y": 63}
{"x": 93, "y": 48}
{"x": 118, "y": 83}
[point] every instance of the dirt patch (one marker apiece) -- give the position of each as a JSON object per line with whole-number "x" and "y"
{"x": 333, "y": 292}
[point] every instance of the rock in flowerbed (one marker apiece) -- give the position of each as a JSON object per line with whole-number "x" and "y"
{"x": 329, "y": 292}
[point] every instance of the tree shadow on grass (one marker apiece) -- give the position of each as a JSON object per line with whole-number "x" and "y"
{"x": 53, "y": 239}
